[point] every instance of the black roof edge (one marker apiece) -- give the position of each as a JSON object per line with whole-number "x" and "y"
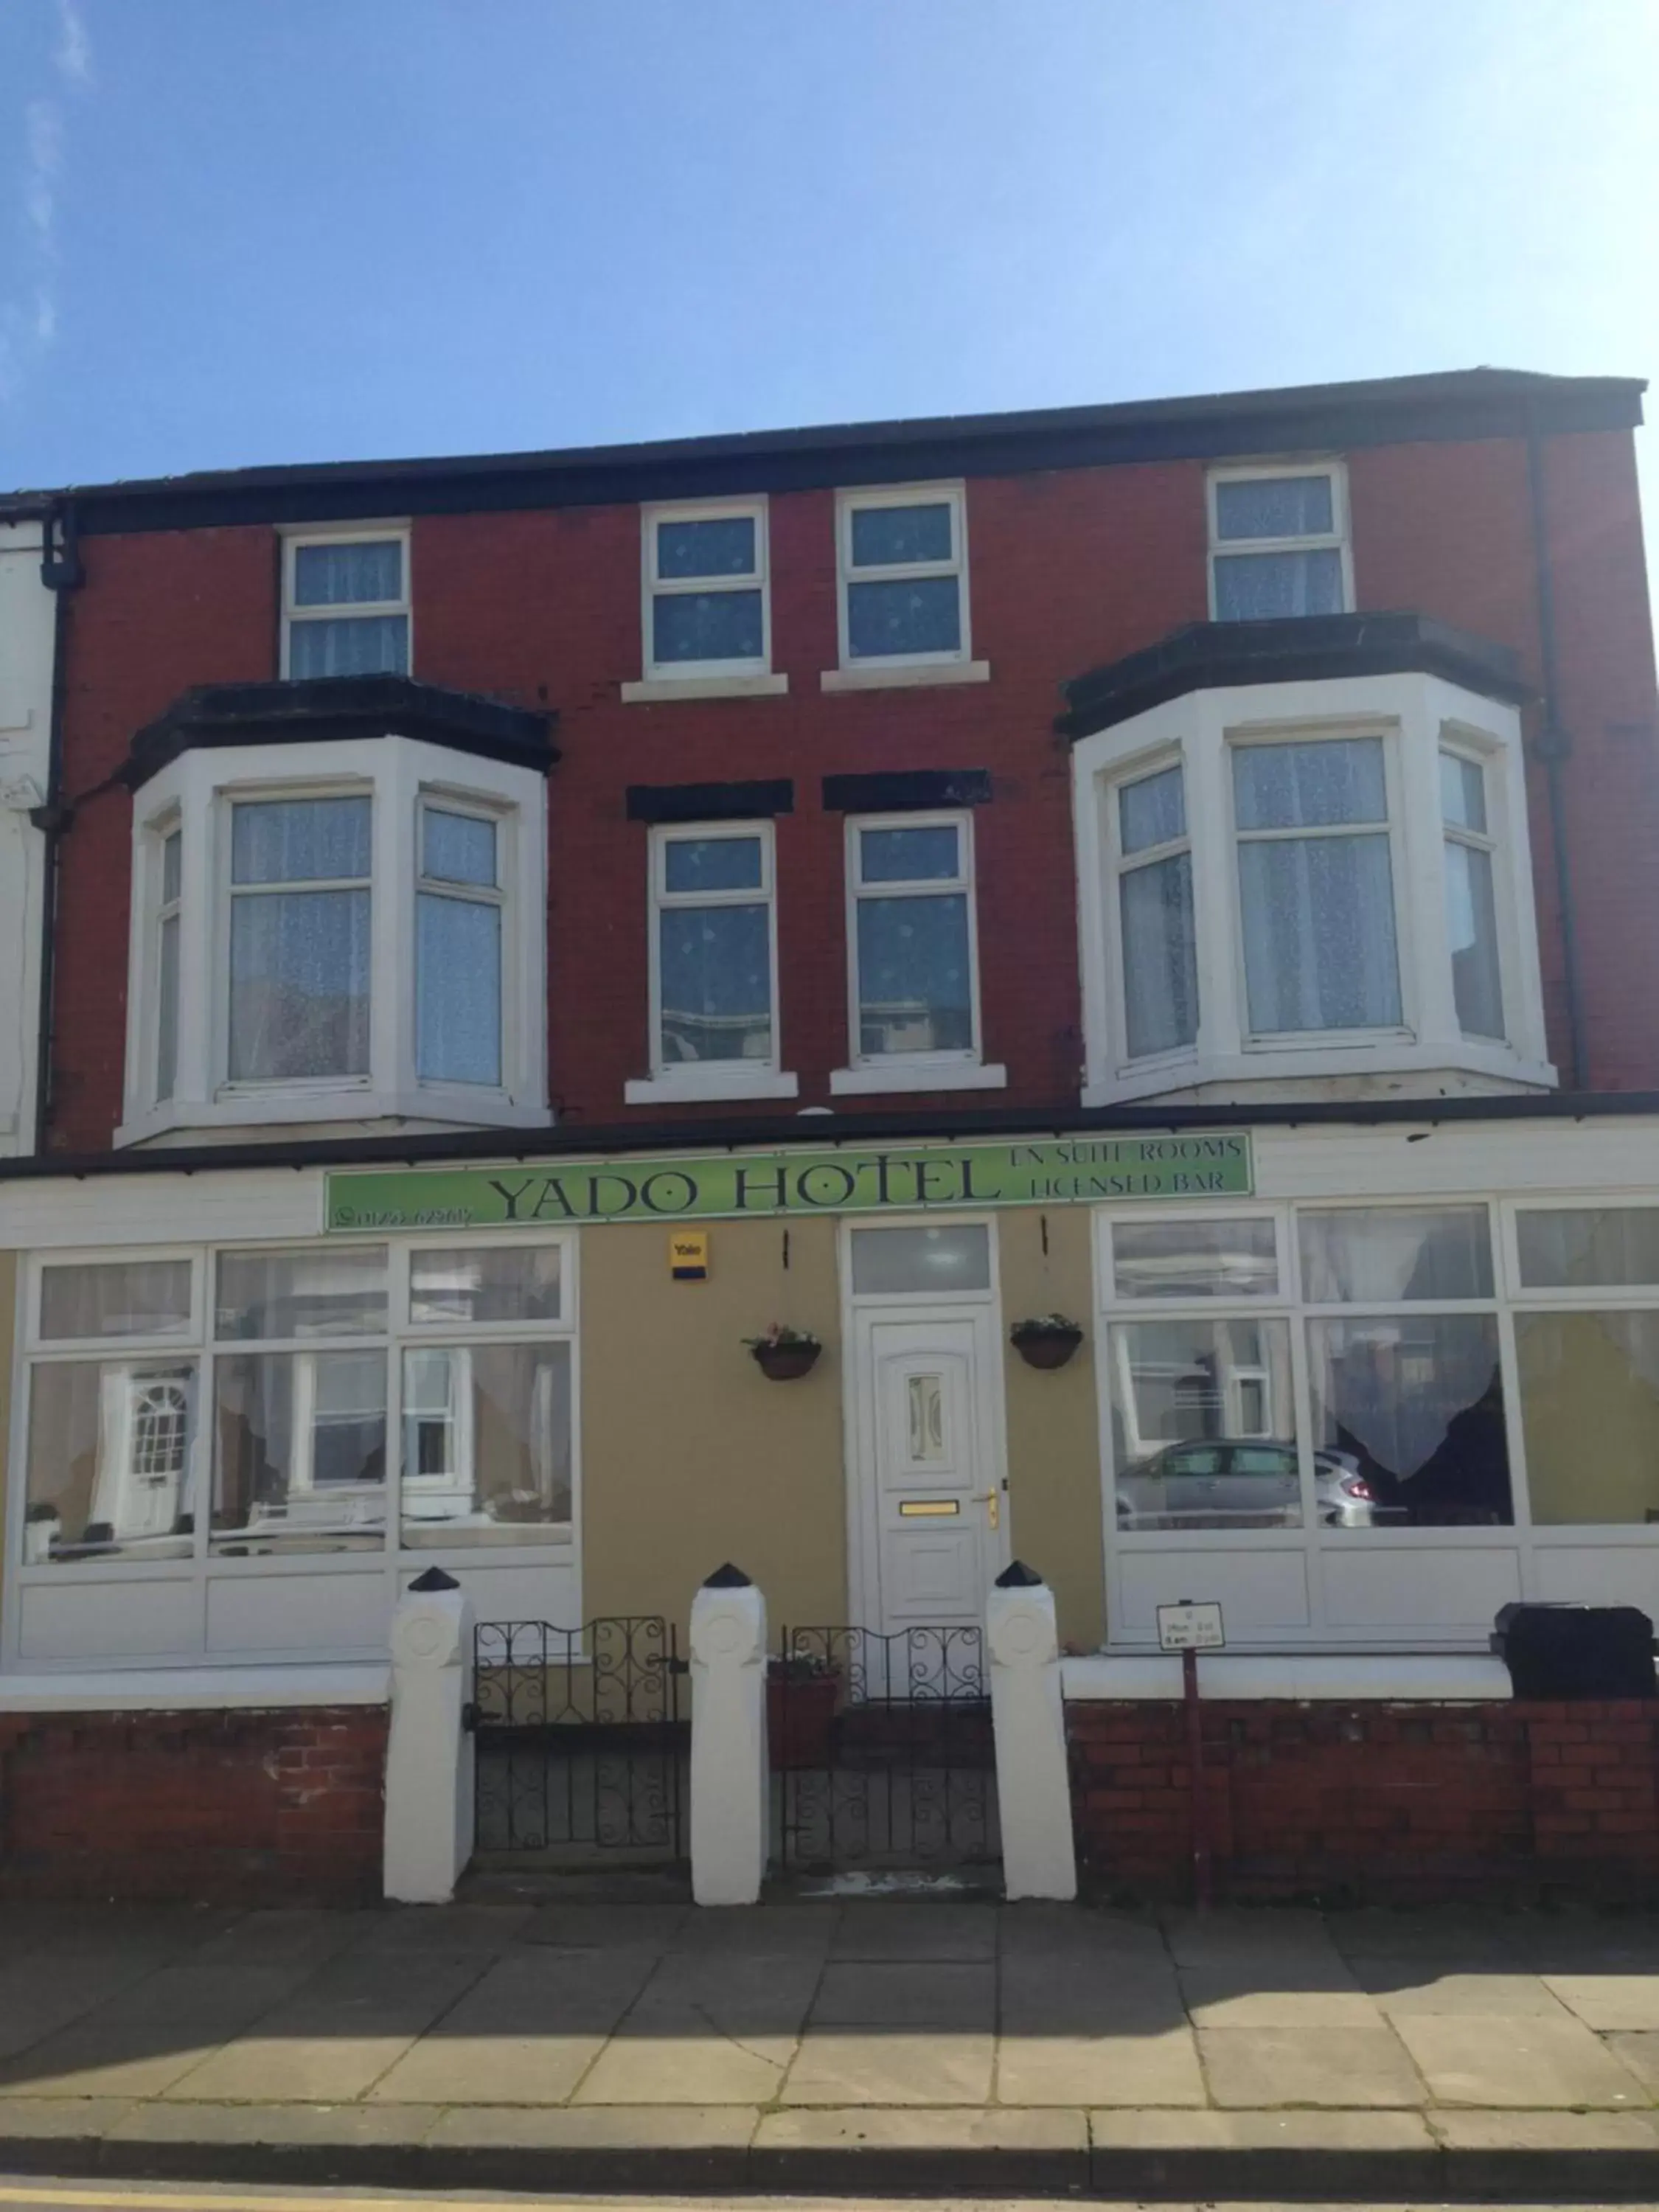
{"x": 1456, "y": 404}
{"x": 1210, "y": 656}
{"x": 820, "y": 1131}
{"x": 332, "y": 710}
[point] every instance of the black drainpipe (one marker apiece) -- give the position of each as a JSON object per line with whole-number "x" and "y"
{"x": 60, "y": 571}
{"x": 1554, "y": 749}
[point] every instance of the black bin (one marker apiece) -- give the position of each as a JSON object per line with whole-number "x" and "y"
{"x": 1576, "y": 1651}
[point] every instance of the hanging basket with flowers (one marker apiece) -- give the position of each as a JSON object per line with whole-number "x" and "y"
{"x": 1046, "y": 1341}
{"x": 784, "y": 1354}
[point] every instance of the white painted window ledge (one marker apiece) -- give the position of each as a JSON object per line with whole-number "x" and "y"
{"x": 680, "y": 1085}
{"x": 1303, "y": 1677}
{"x": 659, "y": 690}
{"x": 871, "y": 676}
{"x": 866, "y": 1082}
{"x": 195, "y": 1688}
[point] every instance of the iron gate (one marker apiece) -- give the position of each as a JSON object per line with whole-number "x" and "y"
{"x": 881, "y": 1749}
{"x": 580, "y": 1747}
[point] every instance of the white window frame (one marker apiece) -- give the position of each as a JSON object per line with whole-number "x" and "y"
{"x": 384, "y": 1567}
{"x": 867, "y": 1072}
{"x": 687, "y": 679}
{"x": 197, "y": 791}
{"x": 432, "y": 799}
{"x": 1126, "y": 864}
{"x": 1321, "y": 1040}
{"x": 1337, "y": 538}
{"x": 345, "y": 533}
{"x": 876, "y": 671}
{"x": 735, "y": 1079}
{"x": 1417, "y": 714}
{"x": 167, "y": 909}
{"x": 1470, "y": 748}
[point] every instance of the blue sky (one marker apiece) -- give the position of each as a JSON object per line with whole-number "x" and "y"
{"x": 240, "y": 231}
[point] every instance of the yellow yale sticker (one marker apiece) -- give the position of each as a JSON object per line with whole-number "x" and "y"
{"x": 688, "y": 1255}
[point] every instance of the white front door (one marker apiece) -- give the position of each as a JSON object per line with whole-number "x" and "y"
{"x": 930, "y": 1480}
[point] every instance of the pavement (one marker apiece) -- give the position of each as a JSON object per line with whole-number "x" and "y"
{"x": 833, "y": 2047}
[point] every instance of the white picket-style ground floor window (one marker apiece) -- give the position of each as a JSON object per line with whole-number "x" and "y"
{"x": 1379, "y": 1422}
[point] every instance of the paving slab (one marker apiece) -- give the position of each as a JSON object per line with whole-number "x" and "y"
{"x": 1515, "y": 2062}
{"x": 1281, "y": 1934}
{"x": 707, "y": 2029}
{"x": 607, "y": 1927}
{"x": 903, "y": 1929}
{"x": 279, "y": 2124}
{"x": 1160, "y": 2068}
{"x": 1474, "y": 2130}
{"x": 446, "y": 1927}
{"x": 1342, "y": 2068}
{"x": 1401, "y": 1985}
{"x": 697, "y": 2068}
{"x": 1464, "y": 1938}
{"x": 835, "y": 2067}
{"x": 524, "y": 2034}
{"x": 1072, "y": 1931}
{"x": 298, "y": 1936}
{"x": 1224, "y": 1997}
{"x": 1607, "y": 2002}
{"x": 864, "y": 1993}
{"x": 46, "y": 1990}
{"x": 1090, "y": 1993}
{"x": 336, "y": 2035}
{"x": 766, "y": 1929}
{"x": 142, "y": 2040}
{"x": 50, "y": 2119}
{"x": 896, "y": 2148}
{"x": 1639, "y": 2052}
{"x": 600, "y": 2127}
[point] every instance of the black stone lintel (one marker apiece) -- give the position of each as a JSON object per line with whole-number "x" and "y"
{"x": 906, "y": 792}
{"x": 333, "y": 709}
{"x": 710, "y": 802}
{"x": 1210, "y": 656}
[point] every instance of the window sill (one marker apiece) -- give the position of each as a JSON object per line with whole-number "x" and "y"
{"x": 683, "y": 1086}
{"x": 659, "y": 690}
{"x": 1402, "y": 1060}
{"x": 872, "y": 676}
{"x": 866, "y": 1082}
{"x": 1436, "y": 1676}
{"x": 253, "y": 1111}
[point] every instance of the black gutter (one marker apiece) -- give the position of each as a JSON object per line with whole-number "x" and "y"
{"x": 826, "y": 1131}
{"x": 61, "y": 572}
{"x": 1457, "y": 404}
{"x": 1554, "y": 748}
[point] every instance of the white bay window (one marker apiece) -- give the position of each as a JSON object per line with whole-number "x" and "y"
{"x": 197, "y": 1422}
{"x": 1286, "y": 882}
{"x": 333, "y": 933}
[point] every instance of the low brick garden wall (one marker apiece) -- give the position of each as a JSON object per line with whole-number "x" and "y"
{"x": 1387, "y": 1803}
{"x": 225, "y": 1807}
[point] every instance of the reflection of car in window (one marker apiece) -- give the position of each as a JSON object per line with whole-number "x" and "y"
{"x": 1227, "y": 1482}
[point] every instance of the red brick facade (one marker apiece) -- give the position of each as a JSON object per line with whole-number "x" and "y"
{"x": 1373, "y": 1802}
{"x": 1069, "y": 569}
{"x": 255, "y": 1808}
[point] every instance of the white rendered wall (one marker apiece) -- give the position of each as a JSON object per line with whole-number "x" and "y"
{"x": 26, "y": 614}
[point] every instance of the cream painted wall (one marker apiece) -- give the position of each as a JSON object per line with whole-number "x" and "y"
{"x": 690, "y": 1457}
{"x": 1053, "y": 1444}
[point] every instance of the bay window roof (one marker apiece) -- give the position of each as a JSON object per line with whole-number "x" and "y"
{"x": 341, "y": 709}
{"x": 1206, "y": 656}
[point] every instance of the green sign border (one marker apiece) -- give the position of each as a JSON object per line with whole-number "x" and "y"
{"x": 1083, "y": 1170}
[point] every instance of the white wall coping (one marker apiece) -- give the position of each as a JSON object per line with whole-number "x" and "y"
{"x": 195, "y": 1689}
{"x": 1441, "y": 1678}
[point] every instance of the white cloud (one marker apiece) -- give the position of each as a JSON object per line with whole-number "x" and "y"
{"x": 74, "y": 53}
{"x": 28, "y": 320}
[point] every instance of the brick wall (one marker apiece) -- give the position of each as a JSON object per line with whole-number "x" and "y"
{"x": 190, "y": 1807}
{"x": 1387, "y": 1803}
{"x": 1068, "y": 568}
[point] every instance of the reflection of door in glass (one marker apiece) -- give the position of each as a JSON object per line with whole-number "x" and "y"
{"x": 144, "y": 1449}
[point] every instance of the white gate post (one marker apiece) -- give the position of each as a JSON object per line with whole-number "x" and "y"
{"x": 1028, "y": 1721}
{"x": 429, "y": 1751}
{"x": 730, "y": 1786}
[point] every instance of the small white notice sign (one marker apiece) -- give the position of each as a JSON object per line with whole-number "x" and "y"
{"x": 1188, "y": 1627}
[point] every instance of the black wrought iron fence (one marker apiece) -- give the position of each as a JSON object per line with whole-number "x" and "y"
{"x": 580, "y": 1744}
{"x": 881, "y": 1749}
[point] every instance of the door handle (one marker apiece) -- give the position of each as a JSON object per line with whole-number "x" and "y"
{"x": 990, "y": 1498}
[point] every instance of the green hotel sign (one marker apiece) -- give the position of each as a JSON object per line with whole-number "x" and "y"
{"x": 728, "y": 1186}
